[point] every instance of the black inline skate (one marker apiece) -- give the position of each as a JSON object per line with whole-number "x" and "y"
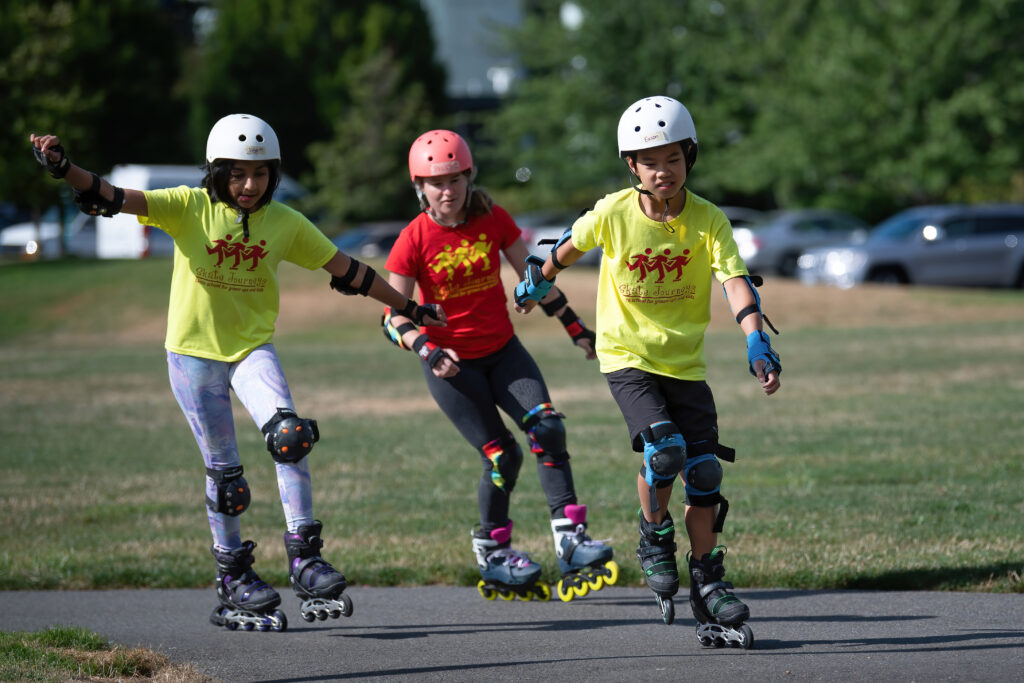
{"x": 505, "y": 572}
{"x": 719, "y": 613}
{"x": 657, "y": 555}
{"x": 246, "y": 601}
{"x": 585, "y": 564}
{"x": 319, "y": 586}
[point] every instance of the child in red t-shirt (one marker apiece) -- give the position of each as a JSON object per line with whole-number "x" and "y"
{"x": 476, "y": 365}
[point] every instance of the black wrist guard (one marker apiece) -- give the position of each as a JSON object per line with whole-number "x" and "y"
{"x": 57, "y": 169}
{"x": 430, "y": 352}
{"x": 574, "y": 326}
{"x": 92, "y": 202}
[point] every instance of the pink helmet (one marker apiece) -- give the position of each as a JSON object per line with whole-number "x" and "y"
{"x": 439, "y": 152}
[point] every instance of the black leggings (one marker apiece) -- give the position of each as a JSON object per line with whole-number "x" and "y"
{"x": 510, "y": 380}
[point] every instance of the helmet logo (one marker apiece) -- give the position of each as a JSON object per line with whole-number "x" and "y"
{"x": 445, "y": 168}
{"x": 655, "y": 137}
{"x": 255, "y": 149}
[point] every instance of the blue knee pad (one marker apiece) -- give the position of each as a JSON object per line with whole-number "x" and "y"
{"x": 664, "y": 453}
{"x": 664, "y": 456}
{"x": 502, "y": 458}
{"x": 546, "y": 434}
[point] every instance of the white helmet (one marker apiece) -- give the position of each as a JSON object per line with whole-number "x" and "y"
{"x": 243, "y": 137}
{"x": 655, "y": 121}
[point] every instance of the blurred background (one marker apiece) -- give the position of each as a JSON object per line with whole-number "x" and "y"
{"x": 857, "y": 110}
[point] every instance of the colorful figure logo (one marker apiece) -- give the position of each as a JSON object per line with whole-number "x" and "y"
{"x": 238, "y": 251}
{"x": 662, "y": 264}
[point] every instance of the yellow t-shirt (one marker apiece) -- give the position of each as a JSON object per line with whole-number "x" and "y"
{"x": 654, "y": 288}
{"x": 224, "y": 291}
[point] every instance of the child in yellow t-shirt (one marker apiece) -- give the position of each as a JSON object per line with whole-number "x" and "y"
{"x": 662, "y": 244}
{"x": 229, "y": 237}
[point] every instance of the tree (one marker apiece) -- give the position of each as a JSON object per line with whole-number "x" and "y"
{"x": 361, "y": 173}
{"x": 296, "y": 63}
{"x": 863, "y": 105}
{"x": 76, "y": 70}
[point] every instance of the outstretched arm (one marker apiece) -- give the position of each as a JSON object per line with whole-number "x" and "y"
{"x": 741, "y": 296}
{"x": 51, "y": 154}
{"x": 354, "y": 277}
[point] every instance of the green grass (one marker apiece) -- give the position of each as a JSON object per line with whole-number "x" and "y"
{"x": 62, "y": 653}
{"x": 890, "y": 459}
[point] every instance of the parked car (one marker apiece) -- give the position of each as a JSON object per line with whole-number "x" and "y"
{"x": 741, "y": 216}
{"x": 774, "y": 244}
{"x": 540, "y": 226}
{"x": 28, "y": 241}
{"x": 369, "y": 240}
{"x": 953, "y": 244}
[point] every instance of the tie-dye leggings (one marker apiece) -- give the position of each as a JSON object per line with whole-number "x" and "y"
{"x": 201, "y": 388}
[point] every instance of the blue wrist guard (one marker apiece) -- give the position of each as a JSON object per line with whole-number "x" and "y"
{"x": 534, "y": 286}
{"x": 759, "y": 348}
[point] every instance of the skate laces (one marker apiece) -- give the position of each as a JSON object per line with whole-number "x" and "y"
{"x": 510, "y": 557}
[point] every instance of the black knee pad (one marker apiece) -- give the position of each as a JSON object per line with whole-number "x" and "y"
{"x": 232, "y": 491}
{"x": 546, "y": 433}
{"x": 289, "y": 437}
{"x": 703, "y": 475}
{"x": 502, "y": 459}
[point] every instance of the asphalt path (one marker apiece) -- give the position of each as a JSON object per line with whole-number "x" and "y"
{"x": 452, "y": 634}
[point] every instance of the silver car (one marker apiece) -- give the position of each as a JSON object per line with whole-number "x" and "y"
{"x": 774, "y": 244}
{"x": 950, "y": 244}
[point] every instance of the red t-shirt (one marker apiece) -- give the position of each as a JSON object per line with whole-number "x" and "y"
{"x": 460, "y": 268}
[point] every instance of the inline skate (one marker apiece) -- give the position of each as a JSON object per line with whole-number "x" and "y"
{"x": 506, "y": 572}
{"x": 585, "y": 564}
{"x": 246, "y": 601}
{"x": 719, "y": 613}
{"x": 318, "y": 585}
{"x": 657, "y": 555}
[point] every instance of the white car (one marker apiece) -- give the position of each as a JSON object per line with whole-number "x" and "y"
{"x": 28, "y": 241}
{"x": 951, "y": 244}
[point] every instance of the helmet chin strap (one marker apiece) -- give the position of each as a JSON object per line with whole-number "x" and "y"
{"x": 668, "y": 202}
{"x": 425, "y": 206}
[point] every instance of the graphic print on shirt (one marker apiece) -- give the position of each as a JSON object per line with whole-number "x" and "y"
{"x": 231, "y": 257}
{"x": 651, "y": 270}
{"x": 458, "y": 263}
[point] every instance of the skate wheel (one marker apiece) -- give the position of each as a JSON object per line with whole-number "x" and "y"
{"x": 565, "y": 592}
{"x": 612, "y": 567}
{"x": 582, "y": 589}
{"x": 746, "y": 637}
{"x": 484, "y": 591}
{"x": 542, "y": 592}
{"x": 668, "y": 610}
{"x": 231, "y": 626}
{"x": 595, "y": 582}
{"x": 280, "y": 621}
{"x": 248, "y": 626}
{"x": 321, "y": 614}
{"x": 308, "y": 616}
{"x": 507, "y": 595}
{"x": 346, "y": 605}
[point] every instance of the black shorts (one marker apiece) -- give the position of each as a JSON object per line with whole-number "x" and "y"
{"x": 646, "y": 398}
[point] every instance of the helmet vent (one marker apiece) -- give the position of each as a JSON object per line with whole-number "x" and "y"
{"x": 259, "y": 138}
{"x": 241, "y": 138}
{"x": 661, "y": 123}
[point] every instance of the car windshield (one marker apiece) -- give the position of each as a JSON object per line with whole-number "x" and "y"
{"x": 898, "y": 227}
